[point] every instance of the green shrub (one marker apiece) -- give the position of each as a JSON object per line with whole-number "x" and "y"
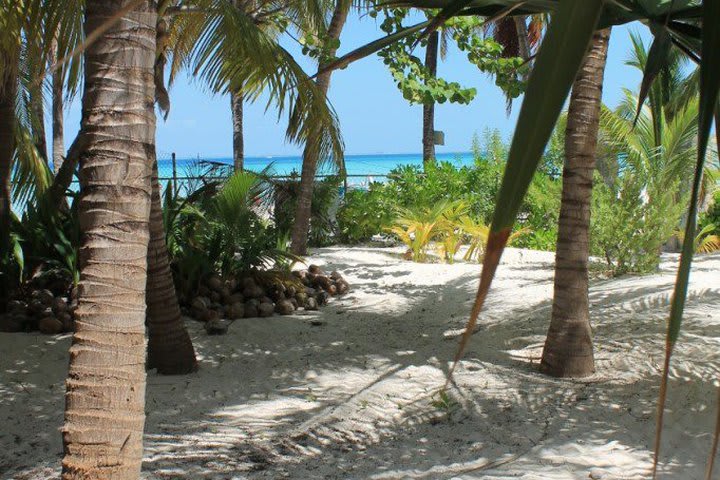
{"x": 630, "y": 224}
{"x": 364, "y": 213}
{"x": 325, "y": 194}
{"x": 540, "y": 212}
{"x": 218, "y": 229}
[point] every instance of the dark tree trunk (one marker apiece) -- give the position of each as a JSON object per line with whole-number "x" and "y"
{"x": 301, "y": 226}
{"x": 428, "y": 140}
{"x": 8, "y": 92}
{"x": 568, "y": 348}
{"x": 170, "y": 349}
{"x": 236, "y": 104}
{"x": 38, "y": 110}
{"x": 522, "y": 35}
{"x": 58, "y": 123}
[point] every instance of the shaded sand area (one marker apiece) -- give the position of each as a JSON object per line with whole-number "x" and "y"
{"x": 350, "y": 392}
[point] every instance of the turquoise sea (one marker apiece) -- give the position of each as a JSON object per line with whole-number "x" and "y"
{"x": 360, "y": 168}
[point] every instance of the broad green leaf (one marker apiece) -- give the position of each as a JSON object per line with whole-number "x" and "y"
{"x": 657, "y": 57}
{"x": 556, "y": 67}
{"x": 709, "y": 88}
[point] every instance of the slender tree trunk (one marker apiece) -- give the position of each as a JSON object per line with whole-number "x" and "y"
{"x": 236, "y": 104}
{"x": 38, "y": 111}
{"x": 428, "y": 140}
{"x": 170, "y": 349}
{"x": 568, "y": 348}
{"x": 301, "y": 226}
{"x": 58, "y": 123}
{"x": 522, "y": 36}
{"x": 105, "y": 399}
{"x": 8, "y": 92}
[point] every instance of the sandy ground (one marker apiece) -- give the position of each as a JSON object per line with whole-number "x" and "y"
{"x": 350, "y": 392}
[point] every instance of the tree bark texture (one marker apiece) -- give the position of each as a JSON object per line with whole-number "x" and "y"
{"x": 170, "y": 349}
{"x": 428, "y": 139}
{"x": 301, "y": 226}
{"x": 105, "y": 399}
{"x": 568, "y": 348}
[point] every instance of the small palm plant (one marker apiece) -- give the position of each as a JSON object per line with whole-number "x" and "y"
{"x": 450, "y": 230}
{"x": 477, "y": 233}
{"x": 417, "y": 227}
{"x": 707, "y": 239}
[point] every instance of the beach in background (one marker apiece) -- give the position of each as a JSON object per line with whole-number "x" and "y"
{"x": 372, "y": 167}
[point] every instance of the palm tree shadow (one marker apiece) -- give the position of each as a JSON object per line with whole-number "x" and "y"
{"x": 397, "y": 409}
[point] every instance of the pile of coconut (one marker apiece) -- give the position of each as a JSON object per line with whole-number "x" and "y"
{"x": 262, "y": 294}
{"x": 45, "y": 303}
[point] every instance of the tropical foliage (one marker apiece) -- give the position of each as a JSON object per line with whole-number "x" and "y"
{"x": 220, "y": 228}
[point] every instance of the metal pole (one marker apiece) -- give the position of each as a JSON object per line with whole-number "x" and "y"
{"x": 174, "y": 174}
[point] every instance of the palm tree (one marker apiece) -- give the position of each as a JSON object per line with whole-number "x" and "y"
{"x": 568, "y": 348}
{"x": 23, "y": 56}
{"x": 428, "y": 137}
{"x": 170, "y": 349}
{"x": 236, "y": 106}
{"x": 105, "y": 400}
{"x": 259, "y": 13}
{"x": 9, "y": 56}
{"x": 311, "y": 155}
{"x": 58, "y": 122}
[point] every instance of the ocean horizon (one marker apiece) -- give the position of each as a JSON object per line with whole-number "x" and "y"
{"x": 357, "y": 166}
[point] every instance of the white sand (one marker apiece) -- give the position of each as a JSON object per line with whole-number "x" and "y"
{"x": 356, "y": 396}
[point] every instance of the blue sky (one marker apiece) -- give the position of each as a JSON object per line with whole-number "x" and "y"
{"x": 373, "y": 114}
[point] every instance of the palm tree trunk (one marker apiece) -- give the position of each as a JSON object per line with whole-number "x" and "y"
{"x": 236, "y": 104}
{"x": 522, "y": 36}
{"x": 568, "y": 348}
{"x": 170, "y": 349}
{"x": 105, "y": 399}
{"x": 8, "y": 92}
{"x": 301, "y": 226}
{"x": 428, "y": 141}
{"x": 38, "y": 111}
{"x": 58, "y": 123}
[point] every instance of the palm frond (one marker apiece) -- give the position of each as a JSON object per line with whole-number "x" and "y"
{"x": 226, "y": 48}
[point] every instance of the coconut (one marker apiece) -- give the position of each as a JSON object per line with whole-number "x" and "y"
{"x": 16, "y": 306}
{"x": 253, "y": 291}
{"x": 311, "y": 304}
{"x": 322, "y": 282}
{"x": 235, "y": 298}
{"x": 50, "y": 325}
{"x": 284, "y": 307}
{"x": 59, "y": 305}
{"x": 322, "y": 298}
{"x": 45, "y": 297}
{"x": 215, "y": 283}
{"x": 251, "y": 310}
{"x": 236, "y": 310}
{"x": 342, "y": 287}
{"x": 67, "y": 321}
{"x": 266, "y": 309}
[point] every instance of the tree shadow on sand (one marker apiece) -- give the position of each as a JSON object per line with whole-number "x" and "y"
{"x": 352, "y": 391}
